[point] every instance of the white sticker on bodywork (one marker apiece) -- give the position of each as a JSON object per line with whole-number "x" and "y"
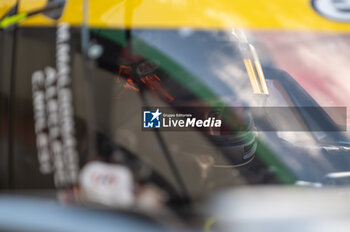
{"x": 107, "y": 184}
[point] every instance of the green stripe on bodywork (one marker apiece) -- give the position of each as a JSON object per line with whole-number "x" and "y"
{"x": 9, "y": 20}
{"x": 173, "y": 69}
{"x": 283, "y": 174}
{"x": 118, "y": 36}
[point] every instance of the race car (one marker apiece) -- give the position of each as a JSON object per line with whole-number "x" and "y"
{"x": 155, "y": 106}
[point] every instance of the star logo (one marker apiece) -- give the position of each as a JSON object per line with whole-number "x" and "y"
{"x": 156, "y": 115}
{"x": 151, "y": 118}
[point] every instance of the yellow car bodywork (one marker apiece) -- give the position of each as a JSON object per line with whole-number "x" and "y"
{"x": 202, "y": 14}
